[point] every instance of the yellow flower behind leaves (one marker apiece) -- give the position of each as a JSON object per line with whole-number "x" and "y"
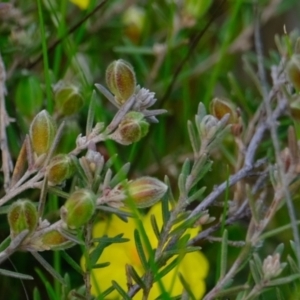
{"x": 82, "y": 4}
{"x": 193, "y": 267}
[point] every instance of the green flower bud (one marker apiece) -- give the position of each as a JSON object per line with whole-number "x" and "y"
{"x": 293, "y": 70}
{"x": 22, "y": 215}
{"x": 68, "y": 100}
{"x": 146, "y": 191}
{"x": 120, "y": 79}
{"x": 52, "y": 240}
{"x": 220, "y": 107}
{"x": 42, "y": 132}
{"x": 132, "y": 128}
{"x": 61, "y": 167}
{"x": 79, "y": 208}
{"x": 134, "y": 19}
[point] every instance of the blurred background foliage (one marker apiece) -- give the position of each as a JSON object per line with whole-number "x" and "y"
{"x": 185, "y": 51}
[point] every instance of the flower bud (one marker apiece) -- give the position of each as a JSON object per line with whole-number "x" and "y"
{"x": 120, "y": 79}
{"x": 134, "y": 20}
{"x": 295, "y": 108}
{"x": 79, "y": 208}
{"x": 51, "y": 240}
{"x": 67, "y": 98}
{"x": 22, "y": 215}
{"x": 42, "y": 132}
{"x": 293, "y": 70}
{"x": 61, "y": 167}
{"x": 271, "y": 266}
{"x": 220, "y": 107}
{"x": 132, "y": 128}
{"x": 146, "y": 191}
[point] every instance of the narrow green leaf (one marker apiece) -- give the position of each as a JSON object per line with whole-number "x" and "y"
{"x": 224, "y": 254}
{"x": 102, "y": 265}
{"x": 91, "y": 114}
{"x": 182, "y": 184}
{"x": 258, "y": 264}
{"x": 71, "y": 237}
{"x": 167, "y": 269}
{"x": 196, "y": 195}
{"x": 15, "y": 274}
{"x": 104, "y": 242}
{"x": 140, "y": 250}
{"x": 48, "y": 267}
{"x": 168, "y": 197}
{"x": 120, "y": 213}
{"x": 36, "y": 294}
{"x": 71, "y": 262}
{"x": 5, "y": 243}
{"x": 121, "y": 175}
{"x": 232, "y": 291}
{"x": 279, "y": 249}
{"x": 165, "y": 209}
{"x": 293, "y": 264}
{"x": 182, "y": 251}
{"x": 194, "y": 138}
{"x": 135, "y": 276}
{"x": 106, "y": 293}
{"x": 186, "y": 167}
{"x": 120, "y": 290}
{"x": 283, "y": 280}
{"x": 155, "y": 227}
{"x": 255, "y": 273}
{"x": 182, "y": 216}
{"x": 276, "y": 231}
{"x": 186, "y": 224}
{"x": 51, "y": 293}
{"x": 44, "y": 279}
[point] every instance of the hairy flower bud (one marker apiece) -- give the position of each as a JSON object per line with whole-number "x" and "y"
{"x": 61, "y": 167}
{"x": 134, "y": 19}
{"x": 67, "y": 98}
{"x": 220, "y": 107}
{"x": 22, "y": 215}
{"x": 52, "y": 240}
{"x": 293, "y": 70}
{"x": 79, "y": 208}
{"x": 132, "y": 128}
{"x": 42, "y": 132}
{"x": 271, "y": 266}
{"x": 145, "y": 191}
{"x": 120, "y": 79}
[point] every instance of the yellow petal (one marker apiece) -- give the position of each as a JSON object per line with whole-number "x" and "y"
{"x": 82, "y": 4}
{"x": 193, "y": 267}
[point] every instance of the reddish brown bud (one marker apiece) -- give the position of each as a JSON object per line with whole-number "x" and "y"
{"x": 68, "y": 99}
{"x": 120, "y": 79}
{"x": 42, "y": 132}
{"x": 61, "y": 167}
{"x": 146, "y": 191}
{"x": 22, "y": 215}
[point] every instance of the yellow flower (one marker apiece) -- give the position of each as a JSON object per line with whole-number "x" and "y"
{"x": 193, "y": 267}
{"x": 82, "y": 4}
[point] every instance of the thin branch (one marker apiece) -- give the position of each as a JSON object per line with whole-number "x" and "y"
{"x": 7, "y": 165}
